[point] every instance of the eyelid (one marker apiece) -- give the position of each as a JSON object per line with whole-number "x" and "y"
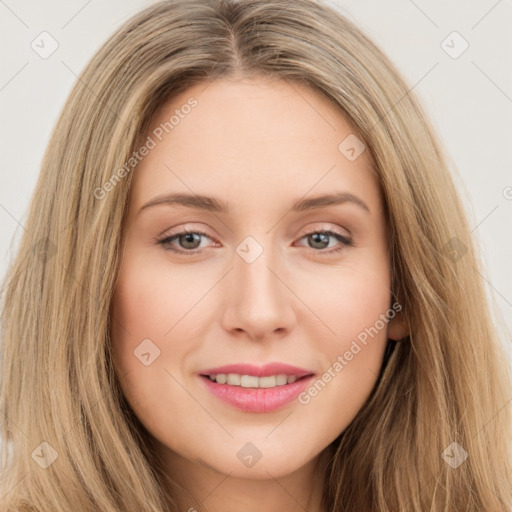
{"x": 324, "y": 227}
{"x": 181, "y": 229}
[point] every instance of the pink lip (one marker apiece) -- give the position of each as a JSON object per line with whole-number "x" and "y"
{"x": 259, "y": 371}
{"x": 258, "y": 399}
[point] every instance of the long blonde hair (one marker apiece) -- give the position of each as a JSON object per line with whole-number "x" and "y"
{"x": 70, "y": 442}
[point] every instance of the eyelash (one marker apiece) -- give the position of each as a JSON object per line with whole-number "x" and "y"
{"x": 345, "y": 241}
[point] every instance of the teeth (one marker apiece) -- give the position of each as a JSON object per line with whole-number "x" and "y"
{"x": 251, "y": 381}
{"x": 222, "y": 378}
{"x": 248, "y": 381}
{"x": 267, "y": 382}
{"x": 234, "y": 379}
{"x": 281, "y": 380}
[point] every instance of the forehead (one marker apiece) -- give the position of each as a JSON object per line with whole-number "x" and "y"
{"x": 254, "y": 140}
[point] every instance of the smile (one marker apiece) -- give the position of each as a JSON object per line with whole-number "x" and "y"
{"x": 256, "y": 389}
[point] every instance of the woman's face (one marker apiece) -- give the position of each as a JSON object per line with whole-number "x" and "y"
{"x": 277, "y": 286}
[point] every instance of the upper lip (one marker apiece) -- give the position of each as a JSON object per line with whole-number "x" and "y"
{"x": 258, "y": 371}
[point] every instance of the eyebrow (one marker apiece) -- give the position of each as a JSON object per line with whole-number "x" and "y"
{"x": 215, "y": 205}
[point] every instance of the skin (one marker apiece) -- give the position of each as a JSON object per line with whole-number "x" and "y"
{"x": 259, "y": 145}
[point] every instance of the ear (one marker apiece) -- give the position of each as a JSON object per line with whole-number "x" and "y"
{"x": 397, "y": 327}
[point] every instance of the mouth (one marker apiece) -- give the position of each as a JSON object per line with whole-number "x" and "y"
{"x": 256, "y": 389}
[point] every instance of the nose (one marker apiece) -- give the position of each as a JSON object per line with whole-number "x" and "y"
{"x": 259, "y": 301}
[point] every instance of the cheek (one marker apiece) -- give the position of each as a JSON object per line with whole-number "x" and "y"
{"x": 147, "y": 362}
{"x": 356, "y": 308}
{"x": 150, "y": 299}
{"x": 144, "y": 308}
{"x": 347, "y": 298}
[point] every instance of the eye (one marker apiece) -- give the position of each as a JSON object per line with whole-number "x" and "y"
{"x": 190, "y": 240}
{"x": 320, "y": 238}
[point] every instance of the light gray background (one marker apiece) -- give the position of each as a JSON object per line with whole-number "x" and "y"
{"x": 468, "y": 99}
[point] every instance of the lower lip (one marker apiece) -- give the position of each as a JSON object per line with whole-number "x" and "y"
{"x": 258, "y": 399}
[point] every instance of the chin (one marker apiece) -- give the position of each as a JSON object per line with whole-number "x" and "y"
{"x": 248, "y": 461}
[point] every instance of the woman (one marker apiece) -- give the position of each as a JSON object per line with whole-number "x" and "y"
{"x": 255, "y": 368}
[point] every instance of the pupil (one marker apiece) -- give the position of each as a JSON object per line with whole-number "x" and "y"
{"x": 320, "y": 235}
{"x": 189, "y": 238}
